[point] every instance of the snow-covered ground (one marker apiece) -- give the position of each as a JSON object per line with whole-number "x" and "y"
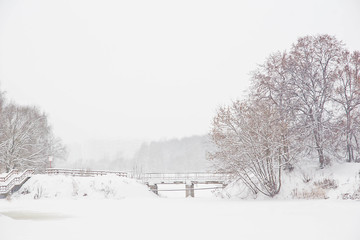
{"x": 201, "y": 190}
{"x": 111, "y": 207}
{"x": 159, "y": 218}
{"x": 68, "y": 187}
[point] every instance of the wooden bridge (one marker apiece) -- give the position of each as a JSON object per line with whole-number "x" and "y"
{"x": 14, "y": 180}
{"x": 195, "y": 177}
{"x": 189, "y": 179}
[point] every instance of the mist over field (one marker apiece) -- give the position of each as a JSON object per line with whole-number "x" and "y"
{"x": 175, "y": 155}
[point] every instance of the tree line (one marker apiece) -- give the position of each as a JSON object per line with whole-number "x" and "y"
{"x": 303, "y": 104}
{"x": 26, "y": 138}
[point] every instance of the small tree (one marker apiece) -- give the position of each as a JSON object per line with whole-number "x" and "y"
{"x": 249, "y": 144}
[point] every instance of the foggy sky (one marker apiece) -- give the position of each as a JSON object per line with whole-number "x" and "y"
{"x": 149, "y": 69}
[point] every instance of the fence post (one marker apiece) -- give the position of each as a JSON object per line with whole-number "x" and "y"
{"x": 189, "y": 190}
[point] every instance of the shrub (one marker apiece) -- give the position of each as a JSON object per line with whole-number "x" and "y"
{"x": 352, "y": 196}
{"x": 326, "y": 183}
{"x": 314, "y": 193}
{"x": 306, "y": 177}
{"x": 39, "y": 192}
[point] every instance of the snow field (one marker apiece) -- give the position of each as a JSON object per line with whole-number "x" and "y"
{"x": 206, "y": 193}
{"x": 122, "y": 208}
{"x": 157, "y": 218}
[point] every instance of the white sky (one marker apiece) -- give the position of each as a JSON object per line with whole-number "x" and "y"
{"x": 149, "y": 69}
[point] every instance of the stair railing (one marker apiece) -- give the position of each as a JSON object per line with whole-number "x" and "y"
{"x": 9, "y": 175}
{"x": 16, "y": 181}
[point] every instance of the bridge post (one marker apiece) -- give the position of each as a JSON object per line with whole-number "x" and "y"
{"x": 189, "y": 190}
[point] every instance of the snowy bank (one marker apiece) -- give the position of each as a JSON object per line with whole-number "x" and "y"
{"x": 100, "y": 187}
{"x": 339, "y": 181}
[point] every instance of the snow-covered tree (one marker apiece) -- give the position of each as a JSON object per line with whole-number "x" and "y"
{"x": 347, "y": 97}
{"x": 313, "y": 64}
{"x": 26, "y": 139}
{"x": 249, "y": 144}
{"x": 300, "y": 84}
{"x": 270, "y": 83}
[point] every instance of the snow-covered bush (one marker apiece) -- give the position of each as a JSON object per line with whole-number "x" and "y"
{"x": 39, "y": 192}
{"x": 313, "y": 193}
{"x": 326, "y": 183}
{"x": 306, "y": 177}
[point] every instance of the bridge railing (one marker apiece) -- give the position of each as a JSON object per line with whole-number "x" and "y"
{"x": 16, "y": 181}
{"x": 194, "y": 176}
{"x": 83, "y": 172}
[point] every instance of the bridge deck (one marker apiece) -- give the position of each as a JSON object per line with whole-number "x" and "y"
{"x": 197, "y": 177}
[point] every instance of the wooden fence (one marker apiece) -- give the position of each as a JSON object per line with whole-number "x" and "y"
{"x": 83, "y": 172}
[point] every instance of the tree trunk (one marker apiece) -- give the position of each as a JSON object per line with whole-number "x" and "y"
{"x": 319, "y": 148}
{"x": 321, "y": 157}
{"x": 349, "y": 147}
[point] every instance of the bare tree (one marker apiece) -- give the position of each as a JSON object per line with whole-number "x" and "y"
{"x": 293, "y": 108}
{"x": 347, "y": 96}
{"x": 26, "y": 139}
{"x": 249, "y": 144}
{"x": 301, "y": 85}
{"x": 313, "y": 64}
{"x": 270, "y": 83}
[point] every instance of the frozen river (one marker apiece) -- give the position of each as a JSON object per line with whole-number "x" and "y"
{"x": 163, "y": 218}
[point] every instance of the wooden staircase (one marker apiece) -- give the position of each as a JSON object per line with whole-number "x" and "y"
{"x": 13, "y": 181}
